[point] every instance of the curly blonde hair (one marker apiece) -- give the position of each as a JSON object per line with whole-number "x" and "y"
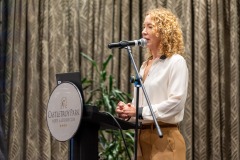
{"x": 166, "y": 26}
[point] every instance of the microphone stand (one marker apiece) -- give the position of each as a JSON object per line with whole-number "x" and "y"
{"x": 138, "y": 83}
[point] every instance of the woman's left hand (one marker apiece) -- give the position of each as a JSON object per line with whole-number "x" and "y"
{"x": 129, "y": 110}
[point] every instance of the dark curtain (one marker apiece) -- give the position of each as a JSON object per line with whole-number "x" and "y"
{"x": 42, "y": 38}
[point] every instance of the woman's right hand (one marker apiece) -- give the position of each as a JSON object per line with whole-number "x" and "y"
{"x": 119, "y": 110}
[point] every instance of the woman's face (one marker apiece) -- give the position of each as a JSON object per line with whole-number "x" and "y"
{"x": 149, "y": 34}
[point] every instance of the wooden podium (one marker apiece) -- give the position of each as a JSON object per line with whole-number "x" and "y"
{"x": 84, "y": 144}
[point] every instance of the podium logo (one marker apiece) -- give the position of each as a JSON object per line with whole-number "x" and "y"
{"x": 64, "y": 111}
{"x": 64, "y": 102}
{"x": 63, "y": 115}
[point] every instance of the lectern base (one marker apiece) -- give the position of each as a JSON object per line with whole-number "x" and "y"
{"x": 84, "y": 144}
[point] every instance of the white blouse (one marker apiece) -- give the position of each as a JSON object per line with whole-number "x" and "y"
{"x": 166, "y": 86}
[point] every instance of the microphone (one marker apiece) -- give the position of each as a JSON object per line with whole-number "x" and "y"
{"x": 141, "y": 42}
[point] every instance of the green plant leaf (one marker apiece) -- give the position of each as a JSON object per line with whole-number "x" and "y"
{"x": 103, "y": 75}
{"x": 107, "y": 102}
{"x": 94, "y": 63}
{"x": 105, "y": 63}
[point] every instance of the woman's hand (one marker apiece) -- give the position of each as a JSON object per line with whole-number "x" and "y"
{"x": 125, "y": 111}
{"x": 119, "y": 110}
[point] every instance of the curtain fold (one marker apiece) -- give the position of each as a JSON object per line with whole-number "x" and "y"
{"x": 45, "y": 37}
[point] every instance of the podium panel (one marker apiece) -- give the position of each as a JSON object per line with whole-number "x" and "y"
{"x": 64, "y": 111}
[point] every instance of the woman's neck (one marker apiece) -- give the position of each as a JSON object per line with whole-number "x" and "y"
{"x": 155, "y": 54}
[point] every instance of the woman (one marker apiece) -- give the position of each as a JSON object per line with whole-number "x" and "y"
{"x": 165, "y": 77}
